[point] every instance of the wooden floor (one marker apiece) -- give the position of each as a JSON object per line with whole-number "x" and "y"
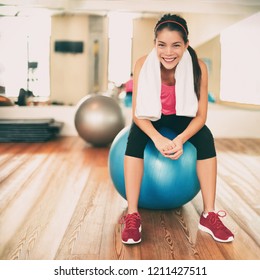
{"x": 57, "y": 201}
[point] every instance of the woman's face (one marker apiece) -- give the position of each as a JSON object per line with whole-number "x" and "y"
{"x": 170, "y": 48}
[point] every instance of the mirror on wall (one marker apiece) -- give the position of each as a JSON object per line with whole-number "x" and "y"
{"x": 24, "y": 58}
{"x": 32, "y": 66}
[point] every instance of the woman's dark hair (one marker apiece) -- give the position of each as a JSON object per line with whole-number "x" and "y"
{"x": 177, "y": 23}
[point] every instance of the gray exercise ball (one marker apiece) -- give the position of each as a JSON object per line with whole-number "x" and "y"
{"x": 98, "y": 119}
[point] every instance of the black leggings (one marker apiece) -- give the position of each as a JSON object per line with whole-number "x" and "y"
{"x": 203, "y": 140}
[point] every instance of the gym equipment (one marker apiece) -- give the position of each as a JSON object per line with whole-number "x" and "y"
{"x": 29, "y": 130}
{"x": 98, "y": 119}
{"x": 166, "y": 184}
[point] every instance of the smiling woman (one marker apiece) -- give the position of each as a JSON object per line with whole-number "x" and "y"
{"x": 176, "y": 45}
{"x": 171, "y": 72}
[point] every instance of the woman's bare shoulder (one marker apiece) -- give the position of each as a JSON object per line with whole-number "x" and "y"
{"x": 202, "y": 65}
{"x": 204, "y": 69}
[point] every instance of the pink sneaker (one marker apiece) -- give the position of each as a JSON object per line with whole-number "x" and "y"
{"x": 131, "y": 233}
{"x": 211, "y": 224}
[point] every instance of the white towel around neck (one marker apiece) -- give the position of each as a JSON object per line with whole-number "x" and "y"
{"x": 148, "y": 99}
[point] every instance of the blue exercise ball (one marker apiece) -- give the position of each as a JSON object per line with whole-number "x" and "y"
{"x": 166, "y": 184}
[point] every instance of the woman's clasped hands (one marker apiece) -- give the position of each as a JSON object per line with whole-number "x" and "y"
{"x": 172, "y": 149}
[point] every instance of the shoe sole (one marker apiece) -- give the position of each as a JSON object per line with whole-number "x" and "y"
{"x": 131, "y": 241}
{"x": 205, "y": 229}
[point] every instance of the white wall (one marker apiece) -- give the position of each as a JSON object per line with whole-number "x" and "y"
{"x": 224, "y": 121}
{"x": 63, "y": 114}
{"x": 240, "y": 62}
{"x": 204, "y": 27}
{"x": 231, "y": 122}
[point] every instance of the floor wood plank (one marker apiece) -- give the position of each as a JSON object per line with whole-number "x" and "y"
{"x": 57, "y": 201}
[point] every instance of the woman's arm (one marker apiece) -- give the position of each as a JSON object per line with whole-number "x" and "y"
{"x": 197, "y": 122}
{"x": 144, "y": 124}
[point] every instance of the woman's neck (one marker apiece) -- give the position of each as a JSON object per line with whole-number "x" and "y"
{"x": 168, "y": 76}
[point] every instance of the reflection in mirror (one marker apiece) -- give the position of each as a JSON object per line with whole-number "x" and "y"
{"x": 24, "y": 58}
{"x": 30, "y": 65}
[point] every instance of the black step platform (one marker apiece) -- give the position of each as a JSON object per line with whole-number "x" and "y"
{"x": 29, "y": 130}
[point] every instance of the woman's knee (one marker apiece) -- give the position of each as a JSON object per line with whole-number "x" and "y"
{"x": 204, "y": 143}
{"x": 136, "y": 142}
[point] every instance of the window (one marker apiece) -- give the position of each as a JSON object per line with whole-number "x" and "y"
{"x": 120, "y": 47}
{"x": 240, "y": 62}
{"x": 24, "y": 55}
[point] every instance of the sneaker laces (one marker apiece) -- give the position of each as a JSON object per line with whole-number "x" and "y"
{"x": 215, "y": 219}
{"x": 130, "y": 220}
